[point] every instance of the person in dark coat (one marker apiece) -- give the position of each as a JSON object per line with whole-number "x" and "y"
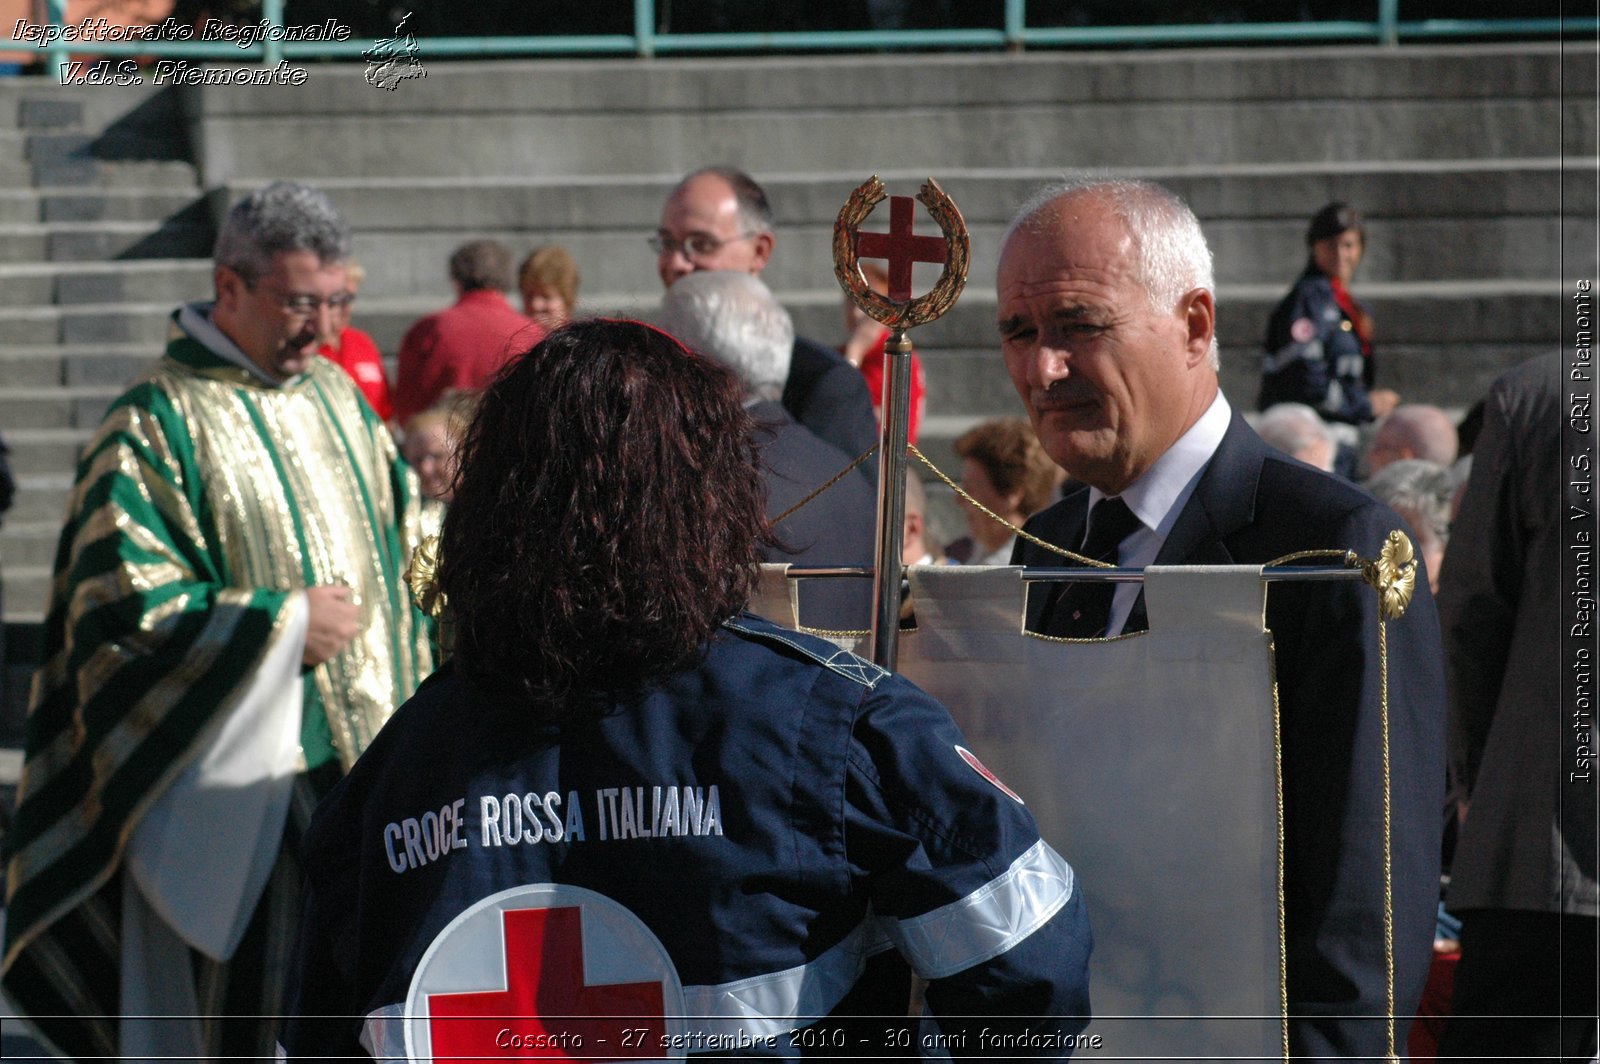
{"x": 1319, "y": 347}
{"x": 732, "y": 317}
{"x": 626, "y": 819}
{"x": 1106, "y": 319}
{"x": 1523, "y": 880}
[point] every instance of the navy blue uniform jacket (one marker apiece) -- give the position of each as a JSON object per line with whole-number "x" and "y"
{"x": 1314, "y": 356}
{"x": 846, "y": 822}
{"x": 1250, "y": 506}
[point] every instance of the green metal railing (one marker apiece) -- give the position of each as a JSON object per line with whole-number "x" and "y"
{"x": 1387, "y": 28}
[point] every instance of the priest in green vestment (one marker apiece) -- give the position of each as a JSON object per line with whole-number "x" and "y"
{"x": 228, "y": 629}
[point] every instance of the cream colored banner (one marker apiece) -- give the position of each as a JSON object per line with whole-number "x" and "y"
{"x": 1148, "y": 761}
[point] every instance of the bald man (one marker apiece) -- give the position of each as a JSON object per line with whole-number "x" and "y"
{"x": 718, "y": 218}
{"x": 1107, "y": 326}
{"x": 1414, "y": 430}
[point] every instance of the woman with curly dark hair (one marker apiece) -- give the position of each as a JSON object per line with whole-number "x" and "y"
{"x": 608, "y": 516}
{"x": 628, "y": 819}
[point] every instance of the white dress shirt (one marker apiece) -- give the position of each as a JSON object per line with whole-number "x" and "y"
{"x": 1158, "y": 497}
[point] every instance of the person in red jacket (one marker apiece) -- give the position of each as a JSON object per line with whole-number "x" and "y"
{"x": 865, "y": 350}
{"x": 353, "y": 350}
{"x": 462, "y": 346}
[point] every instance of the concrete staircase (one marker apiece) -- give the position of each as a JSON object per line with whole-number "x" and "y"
{"x": 1475, "y": 166}
{"x": 1462, "y": 158}
{"x": 103, "y": 228}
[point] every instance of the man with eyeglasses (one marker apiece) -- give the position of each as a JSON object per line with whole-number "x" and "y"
{"x": 227, "y": 631}
{"x": 718, "y": 218}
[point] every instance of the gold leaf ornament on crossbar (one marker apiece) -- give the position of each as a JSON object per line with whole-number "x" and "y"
{"x": 422, "y": 577}
{"x": 901, "y": 314}
{"x": 1394, "y": 574}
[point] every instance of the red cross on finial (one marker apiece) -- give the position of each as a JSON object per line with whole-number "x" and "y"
{"x": 546, "y": 996}
{"x": 900, "y": 248}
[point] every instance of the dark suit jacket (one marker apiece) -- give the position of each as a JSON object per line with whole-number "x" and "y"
{"x": 1529, "y": 837}
{"x": 838, "y": 527}
{"x": 828, "y": 396}
{"x": 1252, "y": 505}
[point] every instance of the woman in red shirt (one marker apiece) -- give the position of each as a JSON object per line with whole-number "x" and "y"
{"x": 353, "y": 350}
{"x": 865, "y": 351}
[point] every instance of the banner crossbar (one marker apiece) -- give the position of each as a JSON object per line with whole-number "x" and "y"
{"x": 1050, "y": 574}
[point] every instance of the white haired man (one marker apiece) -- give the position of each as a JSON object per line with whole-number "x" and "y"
{"x": 1106, "y": 320}
{"x": 1299, "y": 432}
{"x": 731, "y": 317}
{"x": 227, "y": 631}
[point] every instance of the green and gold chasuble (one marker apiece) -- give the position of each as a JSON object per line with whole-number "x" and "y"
{"x": 205, "y": 500}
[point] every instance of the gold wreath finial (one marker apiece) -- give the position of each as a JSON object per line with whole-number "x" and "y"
{"x": 421, "y": 576}
{"x": 847, "y": 265}
{"x": 1393, "y": 575}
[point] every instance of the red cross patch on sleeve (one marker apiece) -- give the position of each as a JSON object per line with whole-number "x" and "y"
{"x": 981, "y": 769}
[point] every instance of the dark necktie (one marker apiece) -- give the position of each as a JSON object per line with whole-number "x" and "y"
{"x": 1083, "y": 609}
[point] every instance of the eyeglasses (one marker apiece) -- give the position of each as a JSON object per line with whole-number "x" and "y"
{"x": 303, "y": 306}
{"x": 694, "y": 246}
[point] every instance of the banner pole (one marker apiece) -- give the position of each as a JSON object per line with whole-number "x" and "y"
{"x": 887, "y": 571}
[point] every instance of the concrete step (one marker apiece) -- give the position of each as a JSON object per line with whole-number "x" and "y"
{"x": 55, "y": 145}
{"x": 41, "y": 497}
{"x": 1044, "y": 135}
{"x": 75, "y": 365}
{"x": 865, "y": 84}
{"x": 43, "y": 460}
{"x": 1060, "y": 109}
{"x": 17, "y": 206}
{"x": 112, "y": 323}
{"x": 58, "y": 407}
{"x": 171, "y": 281}
{"x": 149, "y": 174}
{"x": 1499, "y": 218}
{"x": 24, "y": 243}
{"x": 28, "y": 543}
{"x": 45, "y": 112}
{"x": 184, "y": 237}
{"x": 123, "y": 205}
{"x": 42, "y": 105}
{"x": 27, "y": 593}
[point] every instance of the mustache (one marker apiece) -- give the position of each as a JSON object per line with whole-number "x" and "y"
{"x": 1063, "y": 394}
{"x": 306, "y": 337}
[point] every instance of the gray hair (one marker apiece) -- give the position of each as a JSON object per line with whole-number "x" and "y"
{"x": 284, "y": 216}
{"x": 733, "y": 318}
{"x": 482, "y": 264}
{"x": 1419, "y": 491}
{"x": 1293, "y": 427}
{"x": 1170, "y": 249}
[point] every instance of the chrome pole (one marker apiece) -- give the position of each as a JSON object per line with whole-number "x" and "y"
{"x": 891, "y": 498}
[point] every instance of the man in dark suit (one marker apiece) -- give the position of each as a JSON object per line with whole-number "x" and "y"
{"x": 731, "y": 317}
{"x": 1524, "y": 876}
{"x": 1106, "y": 317}
{"x": 718, "y": 219}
